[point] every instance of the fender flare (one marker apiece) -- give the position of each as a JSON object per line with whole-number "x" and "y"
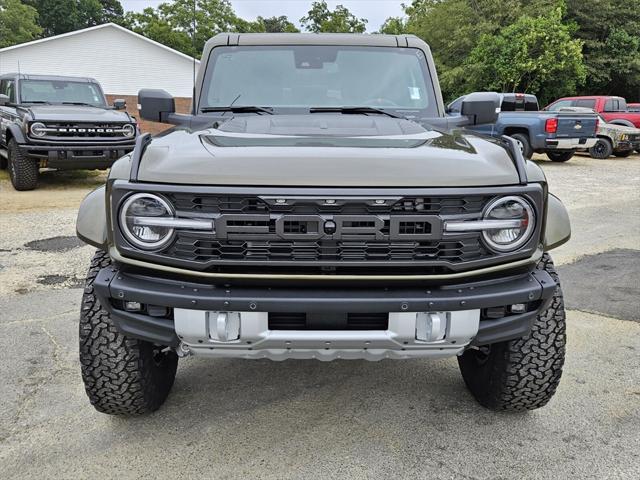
{"x": 91, "y": 225}
{"x": 17, "y": 133}
{"x": 557, "y": 227}
{"x": 623, "y": 122}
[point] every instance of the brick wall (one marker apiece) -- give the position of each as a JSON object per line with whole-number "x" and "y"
{"x": 183, "y": 105}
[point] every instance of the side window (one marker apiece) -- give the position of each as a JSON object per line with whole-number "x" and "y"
{"x": 586, "y": 104}
{"x": 554, "y": 107}
{"x": 611, "y": 105}
{"x": 7, "y": 87}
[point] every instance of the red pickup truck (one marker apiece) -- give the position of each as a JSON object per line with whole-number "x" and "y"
{"x": 612, "y": 109}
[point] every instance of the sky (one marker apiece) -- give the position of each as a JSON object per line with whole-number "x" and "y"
{"x": 376, "y": 11}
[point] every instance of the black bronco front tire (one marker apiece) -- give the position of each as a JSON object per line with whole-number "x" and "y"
{"x": 522, "y": 139}
{"x": 560, "y": 156}
{"x": 521, "y": 374}
{"x": 23, "y": 171}
{"x": 122, "y": 375}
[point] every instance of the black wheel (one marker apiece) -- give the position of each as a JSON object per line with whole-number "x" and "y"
{"x": 525, "y": 145}
{"x": 602, "y": 149}
{"x": 560, "y": 156}
{"x": 23, "y": 171}
{"x": 623, "y": 154}
{"x": 520, "y": 374}
{"x": 122, "y": 375}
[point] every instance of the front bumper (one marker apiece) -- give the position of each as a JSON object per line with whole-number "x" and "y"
{"x": 570, "y": 143}
{"x": 192, "y": 308}
{"x": 78, "y": 156}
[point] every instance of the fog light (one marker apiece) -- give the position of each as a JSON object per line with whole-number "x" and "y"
{"x": 132, "y": 306}
{"x": 518, "y": 308}
{"x": 431, "y": 327}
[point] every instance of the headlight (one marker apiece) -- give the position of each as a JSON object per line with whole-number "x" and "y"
{"x": 145, "y": 220}
{"x": 624, "y": 136}
{"x": 129, "y": 130}
{"x": 515, "y": 212}
{"x": 38, "y": 129}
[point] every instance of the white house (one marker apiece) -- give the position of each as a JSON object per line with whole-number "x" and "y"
{"x": 121, "y": 60}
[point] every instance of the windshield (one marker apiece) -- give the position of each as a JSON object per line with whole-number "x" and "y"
{"x": 61, "y": 91}
{"x": 301, "y": 77}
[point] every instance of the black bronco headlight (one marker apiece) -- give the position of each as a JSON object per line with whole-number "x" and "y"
{"x": 129, "y": 130}
{"x": 146, "y": 221}
{"x": 514, "y": 221}
{"x": 38, "y": 129}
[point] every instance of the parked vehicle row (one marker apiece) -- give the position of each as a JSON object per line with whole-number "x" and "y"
{"x": 59, "y": 122}
{"x": 558, "y": 134}
{"x": 601, "y": 125}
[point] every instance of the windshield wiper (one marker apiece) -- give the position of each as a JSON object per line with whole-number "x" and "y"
{"x": 239, "y": 109}
{"x": 39, "y": 102}
{"x": 362, "y": 109}
{"x": 79, "y": 103}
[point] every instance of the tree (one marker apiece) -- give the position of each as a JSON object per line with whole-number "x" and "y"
{"x": 609, "y": 30}
{"x": 62, "y": 16}
{"x": 394, "y": 26}
{"x": 534, "y": 55}
{"x": 172, "y": 23}
{"x": 341, "y": 20}
{"x": 18, "y": 23}
{"x": 277, "y": 24}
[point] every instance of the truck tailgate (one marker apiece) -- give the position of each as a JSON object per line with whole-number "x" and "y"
{"x": 576, "y": 125}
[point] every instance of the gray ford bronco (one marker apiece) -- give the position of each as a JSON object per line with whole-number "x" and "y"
{"x": 59, "y": 122}
{"x": 318, "y": 204}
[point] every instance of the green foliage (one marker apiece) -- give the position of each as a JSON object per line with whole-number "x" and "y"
{"x": 18, "y": 23}
{"x": 610, "y": 30}
{"x": 62, "y": 16}
{"x": 341, "y": 20}
{"x": 277, "y": 25}
{"x": 532, "y": 55}
{"x": 394, "y": 26}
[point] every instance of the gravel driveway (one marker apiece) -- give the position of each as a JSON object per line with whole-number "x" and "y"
{"x": 307, "y": 419}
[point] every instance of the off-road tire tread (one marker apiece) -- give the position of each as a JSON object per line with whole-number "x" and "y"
{"x": 119, "y": 373}
{"x": 608, "y": 151}
{"x": 25, "y": 169}
{"x": 524, "y": 373}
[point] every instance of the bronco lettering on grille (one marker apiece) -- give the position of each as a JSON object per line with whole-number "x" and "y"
{"x": 328, "y": 227}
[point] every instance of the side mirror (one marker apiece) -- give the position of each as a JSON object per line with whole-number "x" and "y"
{"x": 481, "y": 107}
{"x": 119, "y": 104}
{"x": 4, "y": 99}
{"x": 156, "y": 105}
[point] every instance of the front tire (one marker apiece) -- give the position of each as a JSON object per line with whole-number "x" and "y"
{"x": 521, "y": 374}
{"x": 602, "y": 149}
{"x": 522, "y": 139}
{"x": 23, "y": 171}
{"x": 560, "y": 156}
{"x": 122, "y": 375}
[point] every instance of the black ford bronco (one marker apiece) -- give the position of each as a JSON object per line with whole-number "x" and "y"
{"x": 60, "y": 123}
{"x": 318, "y": 203}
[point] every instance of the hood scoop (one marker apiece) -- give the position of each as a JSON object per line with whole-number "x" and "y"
{"x": 333, "y": 125}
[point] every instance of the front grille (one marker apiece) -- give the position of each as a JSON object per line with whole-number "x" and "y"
{"x": 193, "y": 247}
{"x": 85, "y": 131}
{"x": 340, "y": 232}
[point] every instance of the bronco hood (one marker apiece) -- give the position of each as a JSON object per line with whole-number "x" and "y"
{"x": 326, "y": 151}
{"x": 77, "y": 113}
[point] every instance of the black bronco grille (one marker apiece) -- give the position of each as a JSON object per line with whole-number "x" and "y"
{"x": 85, "y": 131}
